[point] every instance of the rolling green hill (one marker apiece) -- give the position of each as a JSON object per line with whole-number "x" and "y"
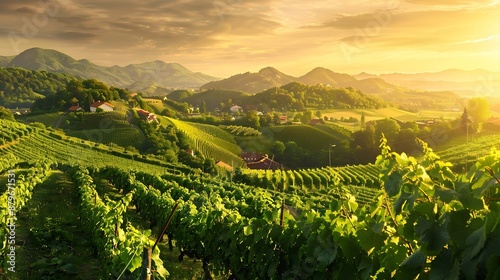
{"x": 20, "y": 87}
{"x": 212, "y": 98}
{"x": 156, "y": 72}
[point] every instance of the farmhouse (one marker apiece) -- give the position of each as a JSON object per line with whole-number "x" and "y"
{"x": 316, "y": 121}
{"x": 251, "y": 157}
{"x": 146, "y": 115}
{"x": 20, "y": 111}
{"x": 235, "y": 108}
{"x": 260, "y": 161}
{"x": 265, "y": 163}
{"x": 75, "y": 108}
{"x": 105, "y": 106}
{"x": 283, "y": 119}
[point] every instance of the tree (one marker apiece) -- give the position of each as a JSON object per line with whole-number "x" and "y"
{"x": 479, "y": 109}
{"x": 389, "y": 127}
{"x": 252, "y": 119}
{"x": 307, "y": 116}
{"x": 203, "y": 108}
{"x": 318, "y": 114}
{"x": 362, "y": 139}
{"x": 362, "y": 122}
{"x": 278, "y": 148}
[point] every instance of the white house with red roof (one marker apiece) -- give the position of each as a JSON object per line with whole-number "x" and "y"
{"x": 105, "y": 106}
{"x": 75, "y": 108}
{"x": 146, "y": 115}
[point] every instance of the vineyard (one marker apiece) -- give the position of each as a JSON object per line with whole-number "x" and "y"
{"x": 461, "y": 153}
{"x": 208, "y": 142}
{"x": 239, "y": 130}
{"x": 36, "y": 143}
{"x": 401, "y": 217}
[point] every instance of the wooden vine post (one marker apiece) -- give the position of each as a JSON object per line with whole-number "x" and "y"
{"x": 146, "y": 264}
{"x": 147, "y": 252}
{"x": 282, "y": 214}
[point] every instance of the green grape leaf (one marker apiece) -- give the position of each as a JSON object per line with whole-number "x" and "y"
{"x": 393, "y": 184}
{"x": 444, "y": 266}
{"x": 412, "y": 266}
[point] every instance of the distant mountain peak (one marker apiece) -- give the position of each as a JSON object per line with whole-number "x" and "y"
{"x": 269, "y": 77}
{"x": 160, "y": 73}
{"x": 268, "y": 70}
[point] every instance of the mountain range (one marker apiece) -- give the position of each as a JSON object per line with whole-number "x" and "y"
{"x": 151, "y": 77}
{"x": 270, "y": 77}
{"x": 159, "y": 78}
{"x": 463, "y": 82}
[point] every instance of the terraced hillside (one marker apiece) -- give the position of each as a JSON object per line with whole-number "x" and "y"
{"x": 211, "y": 141}
{"x": 31, "y": 143}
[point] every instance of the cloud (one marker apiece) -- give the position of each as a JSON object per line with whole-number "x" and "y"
{"x": 26, "y": 10}
{"x": 249, "y": 33}
{"x": 449, "y": 2}
{"x": 75, "y": 36}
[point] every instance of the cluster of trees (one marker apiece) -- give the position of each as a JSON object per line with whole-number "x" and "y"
{"x": 292, "y": 155}
{"x": 79, "y": 92}
{"x": 290, "y": 97}
{"x": 403, "y": 136}
{"x": 297, "y": 96}
{"x": 20, "y": 87}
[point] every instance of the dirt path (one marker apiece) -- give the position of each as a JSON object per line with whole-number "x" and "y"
{"x": 58, "y": 122}
{"x": 52, "y": 244}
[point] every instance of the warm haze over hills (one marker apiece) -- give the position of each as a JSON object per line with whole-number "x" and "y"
{"x": 270, "y": 77}
{"x": 134, "y": 76}
{"x": 225, "y": 37}
{"x": 157, "y": 77}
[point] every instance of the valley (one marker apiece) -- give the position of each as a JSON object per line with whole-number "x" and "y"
{"x": 264, "y": 175}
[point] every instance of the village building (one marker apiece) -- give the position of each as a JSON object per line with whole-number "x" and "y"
{"x": 148, "y": 116}
{"x": 75, "y": 108}
{"x": 260, "y": 161}
{"x": 235, "y": 108}
{"x": 105, "y": 106}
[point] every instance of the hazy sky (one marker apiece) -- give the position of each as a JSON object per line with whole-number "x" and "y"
{"x": 225, "y": 37}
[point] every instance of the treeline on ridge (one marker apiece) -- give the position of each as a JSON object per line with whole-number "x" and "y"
{"x": 82, "y": 93}
{"x": 20, "y": 87}
{"x": 289, "y": 97}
